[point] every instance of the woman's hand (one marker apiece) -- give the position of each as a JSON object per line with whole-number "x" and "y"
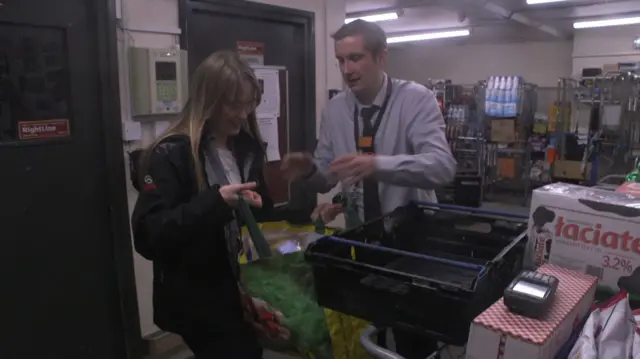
{"x": 231, "y": 192}
{"x": 327, "y": 212}
{"x": 266, "y": 320}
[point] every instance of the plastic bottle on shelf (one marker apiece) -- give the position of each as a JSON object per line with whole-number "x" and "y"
{"x": 501, "y": 94}
{"x": 506, "y": 108}
{"x": 488, "y": 95}
{"x": 493, "y": 96}
{"x": 506, "y": 93}
{"x": 515, "y": 96}
{"x": 495, "y": 104}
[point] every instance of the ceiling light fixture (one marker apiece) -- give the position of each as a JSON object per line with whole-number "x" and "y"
{"x": 536, "y": 2}
{"x": 374, "y": 17}
{"x": 428, "y": 36}
{"x": 605, "y": 23}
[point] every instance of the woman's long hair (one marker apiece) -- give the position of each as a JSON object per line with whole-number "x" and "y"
{"x": 216, "y": 83}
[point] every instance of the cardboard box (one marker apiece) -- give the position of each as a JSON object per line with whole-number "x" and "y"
{"x": 589, "y": 230}
{"x": 498, "y": 333}
{"x": 571, "y": 170}
{"x": 503, "y": 130}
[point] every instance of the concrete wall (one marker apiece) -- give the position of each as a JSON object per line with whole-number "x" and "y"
{"x": 538, "y": 62}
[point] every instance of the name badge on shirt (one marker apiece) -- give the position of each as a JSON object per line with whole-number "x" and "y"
{"x": 365, "y": 142}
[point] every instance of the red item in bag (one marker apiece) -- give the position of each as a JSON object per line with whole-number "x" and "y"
{"x": 266, "y": 318}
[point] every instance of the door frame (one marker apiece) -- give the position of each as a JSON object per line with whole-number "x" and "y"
{"x": 280, "y": 14}
{"x": 116, "y": 189}
{"x": 273, "y": 13}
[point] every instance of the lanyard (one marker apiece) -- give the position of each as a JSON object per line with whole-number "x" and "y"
{"x": 365, "y": 143}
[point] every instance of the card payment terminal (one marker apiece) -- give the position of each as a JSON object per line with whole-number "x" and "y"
{"x": 531, "y": 294}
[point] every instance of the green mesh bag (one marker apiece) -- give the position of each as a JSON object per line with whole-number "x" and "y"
{"x": 284, "y": 281}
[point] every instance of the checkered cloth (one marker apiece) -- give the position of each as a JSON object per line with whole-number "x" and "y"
{"x": 572, "y": 287}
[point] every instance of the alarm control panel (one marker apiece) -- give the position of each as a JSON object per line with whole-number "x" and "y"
{"x": 158, "y": 80}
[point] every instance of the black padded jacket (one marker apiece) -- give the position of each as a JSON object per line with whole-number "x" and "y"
{"x": 182, "y": 231}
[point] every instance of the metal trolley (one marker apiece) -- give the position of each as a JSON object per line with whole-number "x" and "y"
{"x": 372, "y": 348}
{"x": 378, "y": 352}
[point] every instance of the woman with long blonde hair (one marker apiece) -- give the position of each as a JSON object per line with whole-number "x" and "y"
{"x": 184, "y": 219}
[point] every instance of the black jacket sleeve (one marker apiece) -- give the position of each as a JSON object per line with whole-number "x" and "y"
{"x": 167, "y": 214}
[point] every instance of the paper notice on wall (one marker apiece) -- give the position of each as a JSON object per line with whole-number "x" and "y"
{"x": 270, "y": 84}
{"x": 269, "y": 131}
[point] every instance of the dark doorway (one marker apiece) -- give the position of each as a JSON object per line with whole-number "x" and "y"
{"x": 65, "y": 255}
{"x": 287, "y": 37}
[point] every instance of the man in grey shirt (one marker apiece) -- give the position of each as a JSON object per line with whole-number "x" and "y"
{"x": 385, "y": 136}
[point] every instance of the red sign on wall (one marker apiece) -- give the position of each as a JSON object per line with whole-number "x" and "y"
{"x": 252, "y": 52}
{"x": 250, "y": 48}
{"x": 37, "y": 130}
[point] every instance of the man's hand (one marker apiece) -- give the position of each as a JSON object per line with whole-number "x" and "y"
{"x": 327, "y": 212}
{"x": 352, "y": 169}
{"x": 296, "y": 165}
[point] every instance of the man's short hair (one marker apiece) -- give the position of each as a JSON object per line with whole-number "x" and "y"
{"x": 375, "y": 39}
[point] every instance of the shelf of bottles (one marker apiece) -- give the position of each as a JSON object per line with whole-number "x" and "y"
{"x": 463, "y": 131}
{"x": 461, "y": 114}
{"x": 503, "y": 96}
{"x": 508, "y": 160}
{"x": 459, "y": 108}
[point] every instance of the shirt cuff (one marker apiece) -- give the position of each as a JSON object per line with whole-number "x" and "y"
{"x": 385, "y": 164}
{"x": 311, "y": 173}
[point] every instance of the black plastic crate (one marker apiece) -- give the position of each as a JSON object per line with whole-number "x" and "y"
{"x": 434, "y": 269}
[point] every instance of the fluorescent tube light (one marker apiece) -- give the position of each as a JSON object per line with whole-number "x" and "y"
{"x": 536, "y": 2}
{"x": 375, "y": 17}
{"x": 428, "y": 36}
{"x": 605, "y": 23}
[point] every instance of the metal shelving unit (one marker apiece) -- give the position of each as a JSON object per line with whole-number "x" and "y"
{"x": 498, "y": 186}
{"x": 609, "y": 148}
{"x": 467, "y": 147}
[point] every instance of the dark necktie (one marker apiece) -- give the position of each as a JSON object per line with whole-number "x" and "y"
{"x": 370, "y": 196}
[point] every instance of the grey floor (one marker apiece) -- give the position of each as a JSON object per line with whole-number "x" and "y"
{"x": 186, "y": 354}
{"x": 447, "y": 353}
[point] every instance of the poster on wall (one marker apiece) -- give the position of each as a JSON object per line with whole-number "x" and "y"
{"x": 270, "y": 84}
{"x": 252, "y": 52}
